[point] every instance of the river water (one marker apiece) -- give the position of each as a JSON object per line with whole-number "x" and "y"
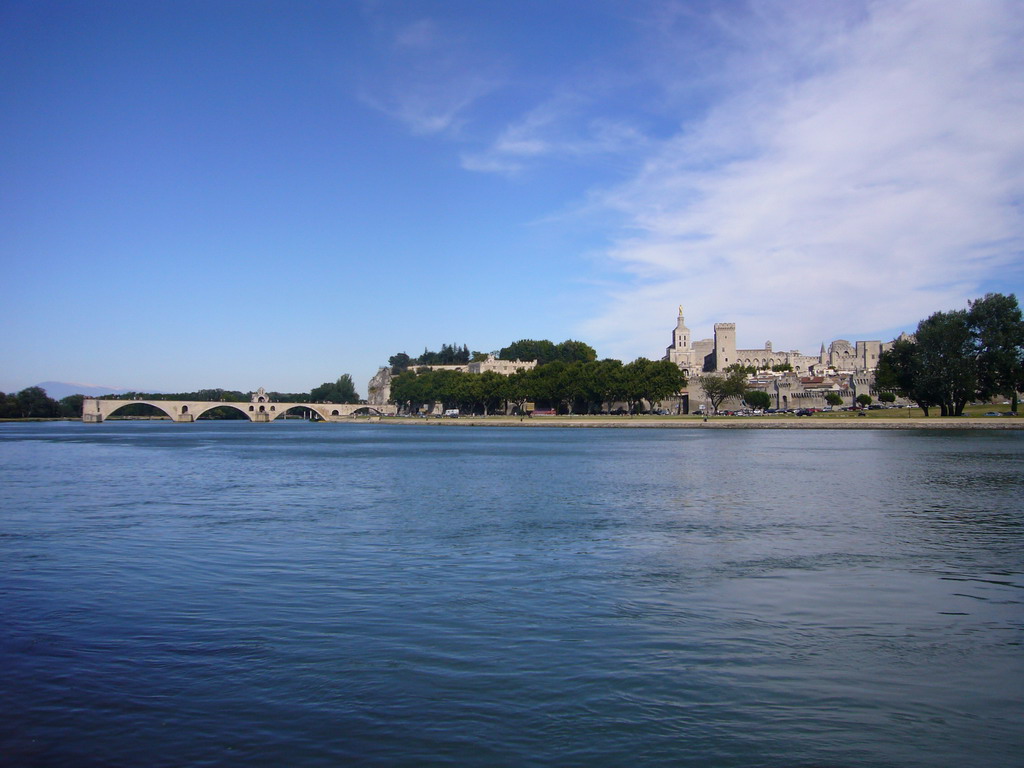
{"x": 227, "y": 593}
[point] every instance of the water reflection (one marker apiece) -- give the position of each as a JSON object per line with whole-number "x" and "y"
{"x": 298, "y": 594}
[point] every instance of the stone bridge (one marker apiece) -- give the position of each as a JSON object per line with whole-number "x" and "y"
{"x": 94, "y": 411}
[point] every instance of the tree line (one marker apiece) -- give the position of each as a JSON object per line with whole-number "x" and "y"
{"x": 568, "y": 387}
{"x": 544, "y": 351}
{"x": 34, "y": 403}
{"x": 958, "y": 357}
{"x": 450, "y": 354}
{"x": 541, "y": 350}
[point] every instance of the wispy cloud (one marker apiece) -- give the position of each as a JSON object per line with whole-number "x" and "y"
{"x": 860, "y": 173}
{"x": 562, "y": 126}
{"x": 429, "y": 78}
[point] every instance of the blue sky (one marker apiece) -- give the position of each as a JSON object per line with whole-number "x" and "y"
{"x": 244, "y": 194}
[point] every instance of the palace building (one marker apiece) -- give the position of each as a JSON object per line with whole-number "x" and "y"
{"x": 717, "y": 354}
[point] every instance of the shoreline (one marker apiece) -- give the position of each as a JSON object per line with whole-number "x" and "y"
{"x": 753, "y": 422}
{"x": 641, "y": 422}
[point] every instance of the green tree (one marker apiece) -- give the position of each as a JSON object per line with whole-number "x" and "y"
{"x": 542, "y": 351}
{"x": 886, "y": 397}
{"x": 998, "y": 330}
{"x": 744, "y": 369}
{"x": 720, "y": 388}
{"x": 34, "y": 403}
{"x": 657, "y": 379}
{"x": 570, "y": 351}
{"x": 949, "y": 371}
{"x": 782, "y": 367}
{"x": 490, "y": 387}
{"x": 8, "y": 406}
{"x": 399, "y": 363}
{"x": 590, "y": 387}
{"x": 833, "y": 399}
{"x": 544, "y": 383}
{"x": 406, "y": 391}
{"x": 610, "y": 382}
{"x": 864, "y": 400}
{"x": 517, "y": 390}
{"x": 899, "y": 371}
{"x": 340, "y": 391}
{"x": 633, "y": 379}
{"x": 71, "y": 406}
{"x": 757, "y": 398}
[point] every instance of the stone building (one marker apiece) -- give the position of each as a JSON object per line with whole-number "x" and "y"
{"x": 379, "y": 388}
{"x": 504, "y": 367}
{"x": 691, "y": 356}
{"x": 717, "y": 354}
{"x": 843, "y": 368}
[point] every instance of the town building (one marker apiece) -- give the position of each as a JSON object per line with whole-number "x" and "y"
{"x": 843, "y": 368}
{"x": 719, "y": 353}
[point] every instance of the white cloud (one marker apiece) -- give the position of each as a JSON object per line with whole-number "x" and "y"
{"x": 866, "y": 173}
{"x": 429, "y": 81}
{"x": 563, "y": 126}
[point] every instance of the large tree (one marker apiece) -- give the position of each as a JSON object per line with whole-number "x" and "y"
{"x": 758, "y": 398}
{"x": 517, "y": 390}
{"x": 71, "y": 406}
{"x": 998, "y": 330}
{"x": 9, "y": 406}
{"x": 33, "y": 402}
{"x": 609, "y": 381}
{"x": 652, "y": 380}
{"x": 543, "y": 351}
{"x": 720, "y": 388}
{"x": 633, "y": 383}
{"x": 570, "y": 351}
{"x": 949, "y": 371}
{"x": 959, "y": 356}
{"x": 340, "y": 391}
{"x": 899, "y": 371}
{"x": 399, "y": 362}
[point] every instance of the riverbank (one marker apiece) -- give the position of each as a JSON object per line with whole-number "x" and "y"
{"x": 664, "y": 422}
{"x": 719, "y": 422}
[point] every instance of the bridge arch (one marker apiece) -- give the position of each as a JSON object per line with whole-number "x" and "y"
{"x": 321, "y": 411}
{"x": 197, "y": 413}
{"x": 367, "y": 409}
{"x": 167, "y": 409}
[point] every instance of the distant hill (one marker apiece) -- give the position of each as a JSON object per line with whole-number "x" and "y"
{"x": 61, "y": 389}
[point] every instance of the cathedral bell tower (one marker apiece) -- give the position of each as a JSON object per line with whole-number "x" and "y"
{"x": 680, "y": 350}
{"x": 681, "y": 335}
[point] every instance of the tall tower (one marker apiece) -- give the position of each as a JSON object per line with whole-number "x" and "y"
{"x": 681, "y": 335}
{"x": 680, "y": 351}
{"x": 725, "y": 345}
